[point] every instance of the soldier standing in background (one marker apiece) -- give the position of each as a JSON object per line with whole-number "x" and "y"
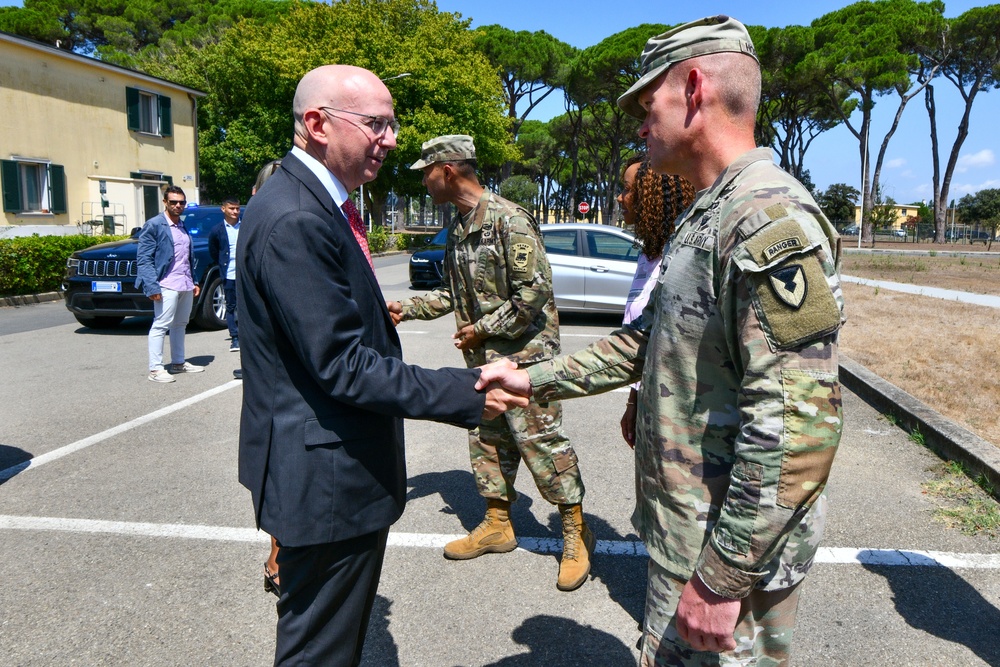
{"x": 499, "y": 284}
{"x": 739, "y": 414}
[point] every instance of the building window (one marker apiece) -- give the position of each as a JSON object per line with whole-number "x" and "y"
{"x": 148, "y": 113}
{"x": 32, "y": 187}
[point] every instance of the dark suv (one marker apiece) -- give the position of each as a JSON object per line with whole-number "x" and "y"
{"x": 99, "y": 286}
{"x": 427, "y": 265}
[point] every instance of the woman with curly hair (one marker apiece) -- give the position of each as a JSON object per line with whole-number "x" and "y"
{"x": 650, "y": 204}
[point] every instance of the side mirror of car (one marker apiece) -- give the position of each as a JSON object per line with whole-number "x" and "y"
{"x": 135, "y": 232}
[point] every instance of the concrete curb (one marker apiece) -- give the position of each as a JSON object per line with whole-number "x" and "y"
{"x": 945, "y": 437}
{"x": 26, "y": 299}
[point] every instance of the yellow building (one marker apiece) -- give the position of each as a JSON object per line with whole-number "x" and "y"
{"x": 903, "y": 211}
{"x": 86, "y": 145}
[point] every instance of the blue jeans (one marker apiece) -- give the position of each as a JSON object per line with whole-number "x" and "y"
{"x": 231, "y": 319}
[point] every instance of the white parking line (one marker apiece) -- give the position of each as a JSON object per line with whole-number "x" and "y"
{"x": 538, "y": 545}
{"x": 113, "y": 431}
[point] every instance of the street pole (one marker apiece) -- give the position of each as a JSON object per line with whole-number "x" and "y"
{"x": 864, "y": 183}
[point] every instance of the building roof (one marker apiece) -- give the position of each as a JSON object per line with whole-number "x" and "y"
{"x": 94, "y": 62}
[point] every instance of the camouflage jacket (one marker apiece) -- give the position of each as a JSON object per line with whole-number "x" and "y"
{"x": 496, "y": 277}
{"x": 739, "y": 413}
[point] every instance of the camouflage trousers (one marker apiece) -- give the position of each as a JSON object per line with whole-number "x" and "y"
{"x": 763, "y": 631}
{"x": 535, "y": 435}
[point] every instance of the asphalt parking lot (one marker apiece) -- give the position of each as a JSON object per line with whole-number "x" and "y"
{"x": 127, "y": 539}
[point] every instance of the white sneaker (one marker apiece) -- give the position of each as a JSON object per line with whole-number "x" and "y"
{"x": 160, "y": 375}
{"x": 186, "y": 368}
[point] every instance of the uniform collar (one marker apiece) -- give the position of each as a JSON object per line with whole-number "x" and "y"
{"x": 479, "y": 215}
{"x": 706, "y": 197}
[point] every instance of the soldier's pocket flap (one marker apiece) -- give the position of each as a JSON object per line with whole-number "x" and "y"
{"x": 772, "y": 245}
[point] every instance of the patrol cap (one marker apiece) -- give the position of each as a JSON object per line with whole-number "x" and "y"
{"x": 449, "y": 148}
{"x": 713, "y": 34}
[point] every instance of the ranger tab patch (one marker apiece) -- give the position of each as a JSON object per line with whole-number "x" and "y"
{"x": 789, "y": 284}
{"x": 775, "y": 249}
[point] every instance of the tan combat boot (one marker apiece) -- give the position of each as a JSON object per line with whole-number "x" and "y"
{"x": 494, "y": 535}
{"x": 578, "y": 544}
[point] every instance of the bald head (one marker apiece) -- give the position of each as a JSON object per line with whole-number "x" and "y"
{"x": 337, "y": 109}
{"x": 339, "y": 86}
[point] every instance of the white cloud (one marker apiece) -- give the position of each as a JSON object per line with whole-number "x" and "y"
{"x": 957, "y": 190}
{"x": 895, "y": 163}
{"x": 983, "y": 158}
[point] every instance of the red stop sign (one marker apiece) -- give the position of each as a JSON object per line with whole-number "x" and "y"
{"x": 583, "y": 207}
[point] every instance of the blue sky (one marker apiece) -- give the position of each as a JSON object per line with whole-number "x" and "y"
{"x": 833, "y": 157}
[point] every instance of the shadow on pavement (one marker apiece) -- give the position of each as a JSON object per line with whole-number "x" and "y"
{"x": 940, "y": 602}
{"x": 457, "y": 489}
{"x": 561, "y": 642}
{"x": 380, "y": 647}
{"x": 624, "y": 578}
{"x": 10, "y": 457}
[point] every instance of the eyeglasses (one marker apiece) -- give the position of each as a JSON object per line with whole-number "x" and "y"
{"x": 176, "y": 202}
{"x": 378, "y": 124}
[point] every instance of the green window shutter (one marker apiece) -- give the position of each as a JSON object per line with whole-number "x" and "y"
{"x": 11, "y": 183}
{"x": 57, "y": 188}
{"x": 168, "y": 179}
{"x": 132, "y": 108}
{"x": 165, "y": 120}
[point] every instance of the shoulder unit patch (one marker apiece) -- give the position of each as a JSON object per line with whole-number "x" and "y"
{"x": 789, "y": 284}
{"x": 522, "y": 257}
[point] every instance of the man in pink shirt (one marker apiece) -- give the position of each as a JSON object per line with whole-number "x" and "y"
{"x": 165, "y": 265}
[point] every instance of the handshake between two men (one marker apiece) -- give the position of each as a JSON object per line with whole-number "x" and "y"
{"x": 506, "y": 387}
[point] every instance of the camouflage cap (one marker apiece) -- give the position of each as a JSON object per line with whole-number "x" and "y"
{"x": 713, "y": 34}
{"x": 449, "y": 148}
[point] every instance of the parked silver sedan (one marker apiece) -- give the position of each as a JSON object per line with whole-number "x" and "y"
{"x": 592, "y": 266}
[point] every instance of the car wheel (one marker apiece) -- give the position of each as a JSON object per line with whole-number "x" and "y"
{"x": 99, "y": 322}
{"x": 212, "y": 309}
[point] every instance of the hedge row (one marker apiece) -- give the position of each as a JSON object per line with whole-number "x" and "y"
{"x": 33, "y": 264}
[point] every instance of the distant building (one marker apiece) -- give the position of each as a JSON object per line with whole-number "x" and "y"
{"x": 903, "y": 212}
{"x": 85, "y": 145}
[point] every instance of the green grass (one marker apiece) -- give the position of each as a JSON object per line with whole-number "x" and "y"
{"x": 970, "y": 502}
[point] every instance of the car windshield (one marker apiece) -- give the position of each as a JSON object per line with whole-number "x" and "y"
{"x": 199, "y": 221}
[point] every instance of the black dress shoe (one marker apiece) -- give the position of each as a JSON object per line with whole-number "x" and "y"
{"x": 238, "y": 374}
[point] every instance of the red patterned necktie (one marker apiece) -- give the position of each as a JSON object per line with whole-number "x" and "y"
{"x": 358, "y": 227}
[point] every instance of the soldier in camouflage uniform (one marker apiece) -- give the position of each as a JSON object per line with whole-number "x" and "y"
{"x": 739, "y": 412}
{"x": 499, "y": 285}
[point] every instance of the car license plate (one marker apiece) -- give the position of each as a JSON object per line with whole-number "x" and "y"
{"x": 105, "y": 286}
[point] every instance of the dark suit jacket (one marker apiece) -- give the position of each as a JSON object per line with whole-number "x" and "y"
{"x": 218, "y": 247}
{"x": 324, "y": 387}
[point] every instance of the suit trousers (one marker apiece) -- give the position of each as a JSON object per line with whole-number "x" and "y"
{"x": 232, "y": 319}
{"x": 327, "y": 593}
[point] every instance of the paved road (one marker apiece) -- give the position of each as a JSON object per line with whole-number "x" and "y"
{"x": 127, "y": 539}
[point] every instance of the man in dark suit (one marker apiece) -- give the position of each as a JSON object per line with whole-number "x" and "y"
{"x": 222, "y": 244}
{"x": 325, "y": 391}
